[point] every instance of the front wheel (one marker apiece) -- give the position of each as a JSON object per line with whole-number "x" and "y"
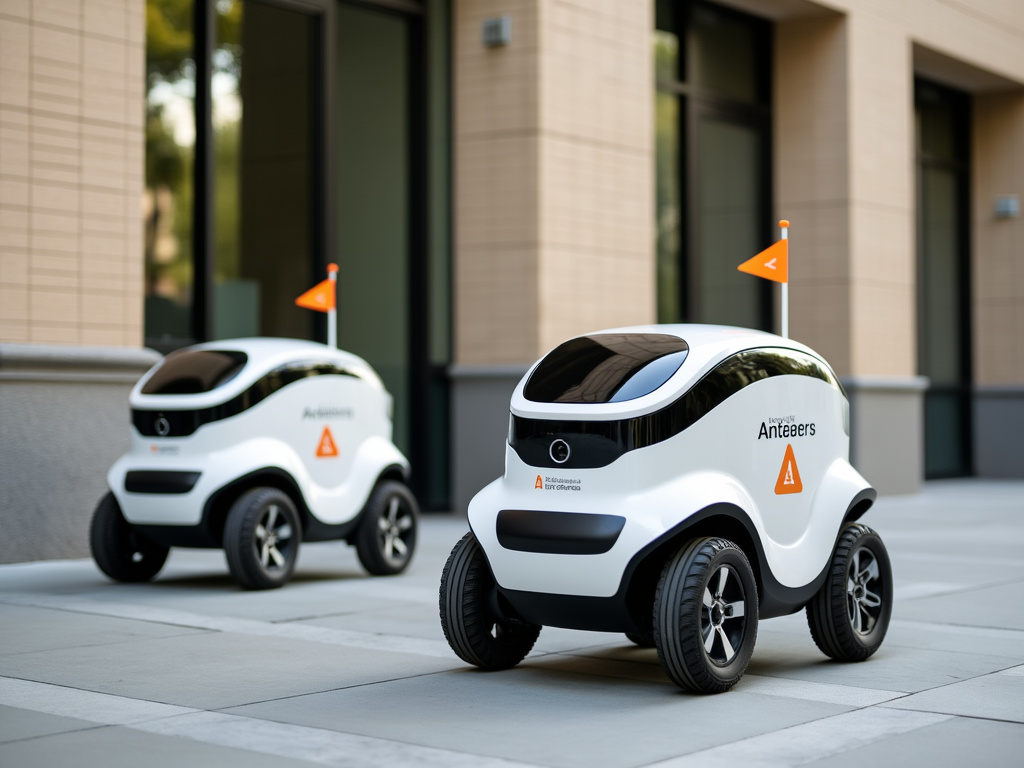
{"x": 469, "y": 617}
{"x": 705, "y": 616}
{"x": 387, "y": 533}
{"x": 261, "y": 538}
{"x": 850, "y": 614}
{"x": 118, "y": 549}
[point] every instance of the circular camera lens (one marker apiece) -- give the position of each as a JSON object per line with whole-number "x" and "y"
{"x": 559, "y": 451}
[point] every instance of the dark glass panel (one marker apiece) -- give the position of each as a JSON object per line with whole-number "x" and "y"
{"x": 192, "y": 371}
{"x": 170, "y": 153}
{"x": 594, "y": 369}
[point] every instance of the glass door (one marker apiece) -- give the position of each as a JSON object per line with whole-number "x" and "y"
{"x": 944, "y": 277}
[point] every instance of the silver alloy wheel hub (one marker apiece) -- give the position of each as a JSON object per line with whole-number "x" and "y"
{"x": 862, "y": 587}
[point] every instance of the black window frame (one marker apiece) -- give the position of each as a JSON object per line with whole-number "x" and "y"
{"x": 697, "y": 103}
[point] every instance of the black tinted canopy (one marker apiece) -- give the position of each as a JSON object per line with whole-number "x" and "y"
{"x": 190, "y": 372}
{"x": 606, "y": 368}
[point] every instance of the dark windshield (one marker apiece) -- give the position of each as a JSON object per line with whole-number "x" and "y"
{"x": 606, "y": 368}
{"x": 190, "y": 371}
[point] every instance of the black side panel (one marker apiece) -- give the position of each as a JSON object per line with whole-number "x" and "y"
{"x": 160, "y": 481}
{"x": 558, "y": 533}
{"x": 594, "y": 444}
{"x": 194, "y": 536}
{"x": 182, "y": 423}
{"x": 596, "y": 614}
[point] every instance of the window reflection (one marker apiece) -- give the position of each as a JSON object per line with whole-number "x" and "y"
{"x": 170, "y": 145}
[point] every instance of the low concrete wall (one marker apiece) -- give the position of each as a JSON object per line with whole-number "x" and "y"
{"x": 998, "y": 427}
{"x": 64, "y": 419}
{"x": 480, "y": 411}
{"x": 887, "y": 431}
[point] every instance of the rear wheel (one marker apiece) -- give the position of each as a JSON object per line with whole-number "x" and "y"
{"x": 849, "y": 615}
{"x": 469, "y": 616}
{"x": 261, "y": 538}
{"x": 705, "y": 616}
{"x": 387, "y": 533}
{"x": 118, "y": 549}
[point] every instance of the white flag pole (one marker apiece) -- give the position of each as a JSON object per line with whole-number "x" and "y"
{"x": 332, "y": 313}
{"x": 785, "y": 286}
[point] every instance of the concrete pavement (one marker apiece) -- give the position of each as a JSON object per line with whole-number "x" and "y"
{"x": 339, "y": 668}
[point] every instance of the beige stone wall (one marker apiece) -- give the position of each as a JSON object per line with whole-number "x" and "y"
{"x": 845, "y": 171}
{"x": 812, "y": 179}
{"x": 71, "y": 171}
{"x": 554, "y": 189}
{"x": 596, "y": 168}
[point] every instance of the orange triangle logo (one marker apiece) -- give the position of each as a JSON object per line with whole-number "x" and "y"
{"x": 789, "y": 476}
{"x": 327, "y": 447}
{"x": 320, "y": 297}
{"x": 539, "y": 483}
{"x": 772, "y": 263}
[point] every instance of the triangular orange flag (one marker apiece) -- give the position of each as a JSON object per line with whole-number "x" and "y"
{"x": 789, "y": 476}
{"x": 320, "y": 297}
{"x": 772, "y": 263}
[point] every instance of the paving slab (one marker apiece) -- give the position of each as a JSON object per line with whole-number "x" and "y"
{"x": 950, "y": 743}
{"x": 18, "y": 724}
{"x": 34, "y": 629}
{"x": 998, "y": 696}
{"x": 217, "y": 669}
{"x": 339, "y": 668}
{"x": 544, "y": 714}
{"x": 116, "y": 747}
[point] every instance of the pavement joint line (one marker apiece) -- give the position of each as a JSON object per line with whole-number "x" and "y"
{"x": 1017, "y": 671}
{"x": 967, "y": 588}
{"x": 808, "y": 742}
{"x": 826, "y": 693}
{"x": 294, "y": 742}
{"x": 347, "y": 637}
{"x": 1005, "y": 633}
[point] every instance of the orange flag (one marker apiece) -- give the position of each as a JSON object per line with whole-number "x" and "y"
{"x": 320, "y": 297}
{"x": 772, "y": 263}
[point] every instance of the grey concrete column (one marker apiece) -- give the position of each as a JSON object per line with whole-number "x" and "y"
{"x": 480, "y": 412}
{"x": 998, "y": 415}
{"x": 64, "y": 419}
{"x": 887, "y": 430}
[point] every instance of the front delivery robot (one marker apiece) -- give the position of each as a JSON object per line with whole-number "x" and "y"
{"x": 254, "y": 445}
{"x": 676, "y": 483}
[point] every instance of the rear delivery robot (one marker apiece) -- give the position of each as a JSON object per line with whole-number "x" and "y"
{"x": 676, "y": 483}
{"x": 256, "y": 445}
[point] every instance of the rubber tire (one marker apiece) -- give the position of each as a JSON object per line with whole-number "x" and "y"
{"x": 119, "y": 551}
{"x": 828, "y": 613}
{"x": 241, "y": 544}
{"x": 679, "y": 610}
{"x": 641, "y": 639}
{"x": 469, "y": 624}
{"x": 371, "y": 541}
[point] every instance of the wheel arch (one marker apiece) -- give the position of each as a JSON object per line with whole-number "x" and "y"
{"x": 215, "y": 511}
{"x": 721, "y": 520}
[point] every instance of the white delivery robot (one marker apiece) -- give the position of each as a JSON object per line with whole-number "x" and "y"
{"x": 676, "y": 483}
{"x": 256, "y": 445}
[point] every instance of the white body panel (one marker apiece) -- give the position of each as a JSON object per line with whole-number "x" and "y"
{"x": 730, "y": 455}
{"x": 284, "y": 431}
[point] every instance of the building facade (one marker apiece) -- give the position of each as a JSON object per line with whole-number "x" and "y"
{"x": 492, "y": 177}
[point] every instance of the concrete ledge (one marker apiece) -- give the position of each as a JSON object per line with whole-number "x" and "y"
{"x": 44, "y": 362}
{"x": 64, "y": 419}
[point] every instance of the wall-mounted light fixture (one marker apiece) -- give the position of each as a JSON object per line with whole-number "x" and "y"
{"x": 497, "y": 32}
{"x": 1007, "y": 207}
